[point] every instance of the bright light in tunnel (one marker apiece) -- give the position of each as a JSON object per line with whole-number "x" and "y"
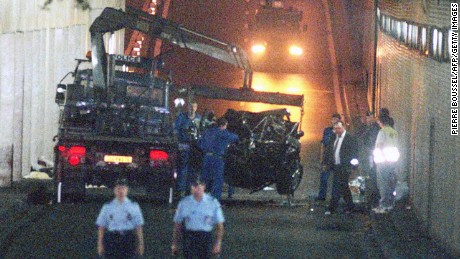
{"x": 295, "y": 50}
{"x": 258, "y": 87}
{"x": 297, "y": 84}
{"x": 293, "y": 90}
{"x": 282, "y": 83}
{"x": 258, "y": 48}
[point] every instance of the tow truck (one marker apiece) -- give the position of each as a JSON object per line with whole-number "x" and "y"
{"x": 115, "y": 119}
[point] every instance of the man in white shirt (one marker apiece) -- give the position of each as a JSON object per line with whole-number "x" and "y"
{"x": 341, "y": 157}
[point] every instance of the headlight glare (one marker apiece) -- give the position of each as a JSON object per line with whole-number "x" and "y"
{"x": 295, "y": 50}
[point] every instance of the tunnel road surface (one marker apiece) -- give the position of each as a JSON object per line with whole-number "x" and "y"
{"x": 256, "y": 228}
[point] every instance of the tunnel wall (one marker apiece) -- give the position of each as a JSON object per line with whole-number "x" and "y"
{"x": 416, "y": 89}
{"x": 344, "y": 27}
{"x": 38, "y": 47}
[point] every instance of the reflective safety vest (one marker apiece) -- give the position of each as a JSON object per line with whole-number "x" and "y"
{"x": 388, "y": 154}
{"x": 386, "y": 146}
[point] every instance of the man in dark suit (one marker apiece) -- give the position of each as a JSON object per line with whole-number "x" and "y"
{"x": 340, "y": 156}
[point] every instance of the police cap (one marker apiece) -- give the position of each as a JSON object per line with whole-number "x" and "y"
{"x": 197, "y": 182}
{"x": 122, "y": 182}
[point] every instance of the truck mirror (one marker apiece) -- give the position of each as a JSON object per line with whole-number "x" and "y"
{"x": 60, "y": 94}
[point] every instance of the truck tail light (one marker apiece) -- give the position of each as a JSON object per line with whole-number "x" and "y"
{"x": 158, "y": 155}
{"x": 74, "y": 160}
{"x": 77, "y": 150}
{"x": 74, "y": 154}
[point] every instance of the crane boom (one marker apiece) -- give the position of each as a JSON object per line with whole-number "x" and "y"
{"x": 158, "y": 27}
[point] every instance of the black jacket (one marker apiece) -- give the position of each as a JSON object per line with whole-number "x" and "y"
{"x": 348, "y": 151}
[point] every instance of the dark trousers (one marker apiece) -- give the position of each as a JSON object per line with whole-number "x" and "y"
{"x": 120, "y": 245}
{"x": 230, "y": 191}
{"x": 323, "y": 184}
{"x": 197, "y": 244}
{"x": 340, "y": 188}
{"x": 372, "y": 191}
{"x": 183, "y": 176}
{"x": 213, "y": 175}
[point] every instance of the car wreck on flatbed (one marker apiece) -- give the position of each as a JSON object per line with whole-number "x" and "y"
{"x": 269, "y": 152}
{"x": 116, "y": 122}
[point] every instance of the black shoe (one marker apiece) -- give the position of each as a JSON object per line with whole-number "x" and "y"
{"x": 349, "y": 211}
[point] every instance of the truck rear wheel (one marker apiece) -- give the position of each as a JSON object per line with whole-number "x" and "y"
{"x": 70, "y": 191}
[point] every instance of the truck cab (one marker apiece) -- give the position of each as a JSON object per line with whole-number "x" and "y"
{"x": 122, "y": 130}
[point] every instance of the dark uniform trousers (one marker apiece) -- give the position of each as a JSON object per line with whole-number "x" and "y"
{"x": 197, "y": 244}
{"x": 213, "y": 174}
{"x": 120, "y": 244}
{"x": 340, "y": 188}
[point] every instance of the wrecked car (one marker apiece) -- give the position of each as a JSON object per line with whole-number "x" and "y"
{"x": 268, "y": 153}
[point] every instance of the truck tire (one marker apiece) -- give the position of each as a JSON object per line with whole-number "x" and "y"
{"x": 288, "y": 180}
{"x": 70, "y": 191}
{"x": 156, "y": 188}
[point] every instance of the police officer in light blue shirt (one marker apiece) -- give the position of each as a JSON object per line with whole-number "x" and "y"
{"x": 119, "y": 224}
{"x": 195, "y": 218}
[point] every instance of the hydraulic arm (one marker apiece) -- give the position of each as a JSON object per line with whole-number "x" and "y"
{"x": 156, "y": 26}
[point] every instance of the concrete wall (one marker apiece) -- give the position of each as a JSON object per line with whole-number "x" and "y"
{"x": 416, "y": 89}
{"x": 349, "y": 27}
{"x": 38, "y": 47}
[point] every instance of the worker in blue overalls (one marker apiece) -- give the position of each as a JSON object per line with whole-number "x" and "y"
{"x": 186, "y": 128}
{"x": 195, "y": 218}
{"x": 119, "y": 225}
{"x": 214, "y": 144}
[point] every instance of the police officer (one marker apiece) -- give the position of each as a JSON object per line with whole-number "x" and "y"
{"x": 195, "y": 218}
{"x": 186, "y": 127}
{"x": 119, "y": 223}
{"x": 214, "y": 143}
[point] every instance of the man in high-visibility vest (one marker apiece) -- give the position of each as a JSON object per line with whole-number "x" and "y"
{"x": 386, "y": 156}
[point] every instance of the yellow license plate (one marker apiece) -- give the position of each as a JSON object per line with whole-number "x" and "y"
{"x": 118, "y": 159}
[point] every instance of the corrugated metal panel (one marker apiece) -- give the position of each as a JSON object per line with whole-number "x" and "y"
{"x": 38, "y": 49}
{"x": 416, "y": 90}
{"x": 432, "y": 13}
